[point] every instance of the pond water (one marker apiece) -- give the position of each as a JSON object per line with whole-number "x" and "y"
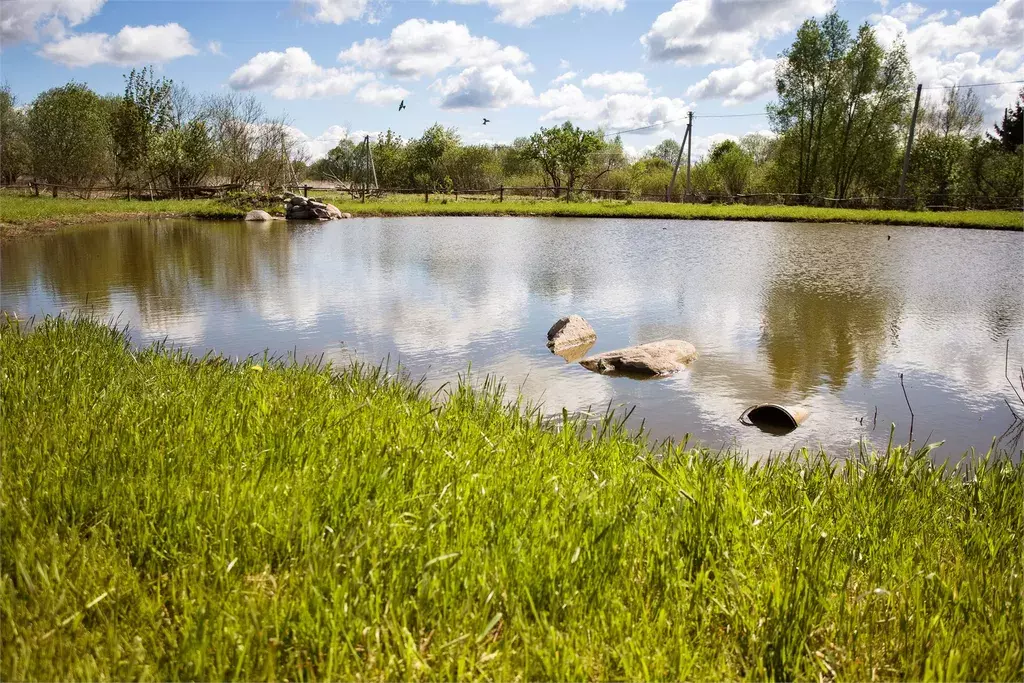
{"x": 822, "y": 317}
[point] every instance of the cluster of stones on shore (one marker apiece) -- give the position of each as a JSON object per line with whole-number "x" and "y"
{"x": 298, "y": 208}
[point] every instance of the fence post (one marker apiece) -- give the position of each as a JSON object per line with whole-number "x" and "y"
{"x": 54, "y": 189}
{"x": 426, "y": 196}
{"x": 456, "y": 194}
{"x": 35, "y": 188}
{"x": 129, "y": 191}
{"x": 363, "y": 193}
{"x": 305, "y": 190}
{"x": 501, "y": 190}
{"x": 910, "y": 143}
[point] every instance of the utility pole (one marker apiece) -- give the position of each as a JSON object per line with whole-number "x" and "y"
{"x": 366, "y": 166}
{"x": 679, "y": 159}
{"x": 689, "y": 148}
{"x": 910, "y": 142}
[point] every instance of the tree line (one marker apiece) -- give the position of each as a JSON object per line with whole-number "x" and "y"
{"x": 839, "y": 125}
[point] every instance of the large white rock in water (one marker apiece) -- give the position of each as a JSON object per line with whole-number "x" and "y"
{"x": 648, "y": 360}
{"x": 334, "y": 212}
{"x": 571, "y": 330}
{"x": 258, "y": 215}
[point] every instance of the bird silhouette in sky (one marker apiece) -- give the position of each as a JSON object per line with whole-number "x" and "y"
{"x": 401, "y": 105}
{"x": 486, "y": 121}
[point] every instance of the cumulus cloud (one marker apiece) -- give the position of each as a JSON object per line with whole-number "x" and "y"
{"x": 293, "y": 74}
{"x": 723, "y": 31}
{"x": 318, "y": 146}
{"x": 130, "y": 45}
{"x": 375, "y": 92}
{"x": 736, "y": 84}
{"x": 490, "y": 87}
{"x": 339, "y": 11}
{"x": 618, "y": 81}
{"x": 999, "y": 26}
{"x": 567, "y": 76}
{"x": 524, "y": 12}
{"x": 22, "y": 19}
{"x": 419, "y": 48}
{"x": 908, "y": 12}
{"x": 614, "y": 111}
{"x": 952, "y": 53}
{"x": 214, "y": 47}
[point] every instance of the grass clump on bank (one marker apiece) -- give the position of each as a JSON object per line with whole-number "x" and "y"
{"x": 20, "y": 214}
{"x": 169, "y": 517}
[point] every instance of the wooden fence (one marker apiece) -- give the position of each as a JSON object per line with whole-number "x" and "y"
{"x": 548, "y": 193}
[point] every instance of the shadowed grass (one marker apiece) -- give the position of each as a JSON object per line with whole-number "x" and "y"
{"x": 20, "y": 214}
{"x": 168, "y": 517}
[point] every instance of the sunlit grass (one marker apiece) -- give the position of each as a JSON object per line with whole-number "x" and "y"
{"x": 168, "y": 517}
{"x": 45, "y": 211}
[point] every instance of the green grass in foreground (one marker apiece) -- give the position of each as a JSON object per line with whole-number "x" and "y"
{"x": 29, "y": 211}
{"x": 167, "y": 517}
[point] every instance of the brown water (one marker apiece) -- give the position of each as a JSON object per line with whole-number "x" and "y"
{"x": 823, "y": 317}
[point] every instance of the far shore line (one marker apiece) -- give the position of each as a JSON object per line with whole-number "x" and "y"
{"x": 23, "y": 216}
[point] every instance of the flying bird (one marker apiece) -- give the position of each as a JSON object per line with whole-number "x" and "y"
{"x": 486, "y": 121}
{"x": 401, "y": 105}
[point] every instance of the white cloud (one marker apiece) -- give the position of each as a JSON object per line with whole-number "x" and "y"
{"x": 908, "y": 12}
{"x": 339, "y": 11}
{"x": 950, "y": 54}
{"x": 491, "y": 87}
{"x": 737, "y": 84}
{"x": 293, "y": 74}
{"x": 999, "y": 26}
{"x": 419, "y": 48}
{"x": 319, "y": 146}
{"x": 615, "y": 111}
{"x": 567, "y": 76}
{"x": 215, "y": 48}
{"x": 375, "y": 92}
{"x": 618, "y": 81}
{"x": 564, "y": 64}
{"x": 130, "y": 45}
{"x": 723, "y": 31}
{"x": 22, "y": 19}
{"x": 524, "y": 12}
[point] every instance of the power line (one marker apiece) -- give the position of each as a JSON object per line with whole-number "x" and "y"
{"x": 969, "y": 85}
{"x": 727, "y": 116}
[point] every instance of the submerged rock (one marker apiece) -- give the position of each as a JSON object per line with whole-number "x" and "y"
{"x": 654, "y": 359}
{"x": 258, "y": 215}
{"x": 570, "y": 330}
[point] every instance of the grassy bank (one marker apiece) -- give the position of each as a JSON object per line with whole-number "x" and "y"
{"x": 167, "y": 517}
{"x": 20, "y": 214}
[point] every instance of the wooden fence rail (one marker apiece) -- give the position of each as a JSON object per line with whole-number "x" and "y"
{"x": 934, "y": 202}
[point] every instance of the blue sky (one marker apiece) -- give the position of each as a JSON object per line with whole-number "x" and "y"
{"x": 338, "y": 67}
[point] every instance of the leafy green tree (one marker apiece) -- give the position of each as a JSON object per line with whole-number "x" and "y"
{"x": 732, "y": 166}
{"x": 184, "y": 153}
{"x": 426, "y": 152}
{"x": 667, "y": 150}
{"x": 1010, "y": 133}
{"x": 391, "y": 160}
{"x": 564, "y": 152}
{"x": 67, "y": 135}
{"x": 14, "y": 149}
{"x": 143, "y": 115}
{"x": 841, "y": 103}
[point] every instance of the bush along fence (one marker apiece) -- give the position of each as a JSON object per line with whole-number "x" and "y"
{"x": 540, "y": 192}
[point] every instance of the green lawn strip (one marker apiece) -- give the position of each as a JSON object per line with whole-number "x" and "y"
{"x": 29, "y": 212}
{"x": 167, "y": 517}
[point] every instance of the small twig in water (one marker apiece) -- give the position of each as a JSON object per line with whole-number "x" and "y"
{"x": 874, "y": 422}
{"x": 1006, "y": 373}
{"x": 910, "y": 440}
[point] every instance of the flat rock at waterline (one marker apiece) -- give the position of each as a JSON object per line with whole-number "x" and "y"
{"x": 570, "y": 330}
{"x": 258, "y": 215}
{"x": 646, "y": 360}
